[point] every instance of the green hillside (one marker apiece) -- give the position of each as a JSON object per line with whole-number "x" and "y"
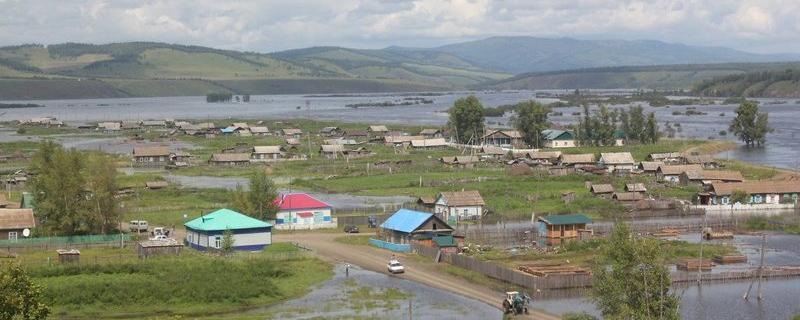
{"x": 649, "y": 77}
{"x": 770, "y": 83}
{"x": 158, "y": 69}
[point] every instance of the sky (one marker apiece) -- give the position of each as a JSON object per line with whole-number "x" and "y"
{"x": 763, "y": 26}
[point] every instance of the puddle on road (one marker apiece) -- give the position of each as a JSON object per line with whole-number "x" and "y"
{"x": 370, "y": 295}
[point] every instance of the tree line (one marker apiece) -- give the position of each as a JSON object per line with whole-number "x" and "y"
{"x": 74, "y": 191}
{"x": 604, "y": 126}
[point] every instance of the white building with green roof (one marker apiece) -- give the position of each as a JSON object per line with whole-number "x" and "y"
{"x": 206, "y": 232}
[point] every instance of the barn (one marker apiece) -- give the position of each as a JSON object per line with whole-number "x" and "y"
{"x": 206, "y": 232}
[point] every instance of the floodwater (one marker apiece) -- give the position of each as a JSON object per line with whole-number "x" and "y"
{"x": 724, "y": 300}
{"x": 782, "y": 148}
{"x": 340, "y": 201}
{"x": 335, "y": 299}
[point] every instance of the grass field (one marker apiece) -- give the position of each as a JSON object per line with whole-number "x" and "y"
{"x": 188, "y": 285}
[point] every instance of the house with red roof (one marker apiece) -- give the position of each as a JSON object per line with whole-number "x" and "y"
{"x": 302, "y": 211}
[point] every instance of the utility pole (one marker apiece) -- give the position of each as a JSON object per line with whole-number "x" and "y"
{"x": 759, "y": 272}
{"x": 700, "y": 263}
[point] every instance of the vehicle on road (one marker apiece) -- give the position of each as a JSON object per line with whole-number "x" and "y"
{"x": 138, "y": 226}
{"x": 516, "y": 303}
{"x": 395, "y": 267}
{"x": 351, "y": 229}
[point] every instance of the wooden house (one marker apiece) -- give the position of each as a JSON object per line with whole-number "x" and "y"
{"x": 404, "y": 225}
{"x": 543, "y": 157}
{"x": 602, "y": 190}
{"x": 558, "y": 138}
{"x": 131, "y": 125}
{"x": 331, "y": 151}
{"x": 357, "y": 153}
{"x": 706, "y": 161}
{"x": 650, "y": 167}
{"x": 266, "y": 154}
{"x": 109, "y": 126}
{"x": 154, "y": 124}
{"x": 459, "y": 205}
{"x": 400, "y": 141}
{"x": 761, "y": 193}
{"x": 331, "y": 131}
{"x": 432, "y": 133}
{"x": 617, "y": 162}
{"x": 150, "y": 156}
{"x": 577, "y": 160}
{"x": 259, "y": 131}
{"x": 292, "y": 133}
{"x": 437, "y": 143}
{"x": 666, "y": 157}
{"x": 377, "y": 132}
{"x": 672, "y": 174}
{"x": 706, "y": 177}
{"x": 563, "y": 226}
{"x": 636, "y": 187}
{"x": 207, "y": 231}
{"x": 506, "y": 138}
{"x": 492, "y": 152}
{"x": 230, "y": 159}
{"x": 13, "y": 223}
{"x": 628, "y": 196}
{"x": 460, "y": 161}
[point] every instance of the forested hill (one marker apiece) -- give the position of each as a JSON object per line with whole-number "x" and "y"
{"x": 771, "y": 83}
{"x": 648, "y": 77}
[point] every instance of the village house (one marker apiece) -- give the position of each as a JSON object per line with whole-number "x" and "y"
{"x": 292, "y": 142}
{"x": 131, "y": 125}
{"x": 602, "y": 190}
{"x": 377, "y": 132}
{"x": 562, "y": 226}
{"x": 432, "y": 133}
{"x": 230, "y": 159}
{"x": 259, "y": 131}
{"x": 636, "y": 187}
{"x": 400, "y": 141}
{"x": 404, "y": 226}
{"x": 707, "y": 161}
{"x": 292, "y": 133}
{"x": 617, "y": 162}
{"x": 492, "y": 152}
{"x": 577, "y": 160}
{"x": 180, "y": 159}
{"x": 503, "y": 138}
{"x": 330, "y": 131}
{"x": 356, "y": 134}
{"x": 628, "y": 196}
{"x": 207, "y": 231}
{"x": 460, "y": 161}
{"x": 543, "y": 157}
{"x": 650, "y": 167}
{"x": 341, "y": 141}
{"x": 558, "y": 138}
{"x": 109, "y": 126}
{"x": 331, "y": 151}
{"x": 154, "y": 124}
{"x": 150, "y": 156}
{"x": 707, "y": 177}
{"x": 42, "y": 121}
{"x": 438, "y": 143}
{"x": 302, "y": 211}
{"x": 619, "y": 138}
{"x": 762, "y": 194}
{"x": 266, "y": 154}
{"x": 427, "y": 202}
{"x": 672, "y": 174}
{"x": 240, "y": 147}
{"x": 357, "y": 153}
{"x": 459, "y": 205}
{"x": 666, "y": 157}
{"x": 14, "y": 222}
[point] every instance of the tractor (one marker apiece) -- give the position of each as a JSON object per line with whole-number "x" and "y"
{"x": 516, "y": 303}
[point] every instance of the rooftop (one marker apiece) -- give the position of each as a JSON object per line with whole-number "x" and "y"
{"x": 298, "y": 201}
{"x": 563, "y": 219}
{"x": 225, "y": 219}
{"x": 405, "y": 220}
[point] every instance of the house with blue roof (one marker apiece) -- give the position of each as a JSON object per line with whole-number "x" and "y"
{"x": 558, "y": 138}
{"x": 206, "y": 232}
{"x": 406, "y": 225}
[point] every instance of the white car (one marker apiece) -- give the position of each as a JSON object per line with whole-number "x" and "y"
{"x": 396, "y": 267}
{"x": 159, "y": 237}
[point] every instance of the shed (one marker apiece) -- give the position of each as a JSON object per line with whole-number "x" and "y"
{"x": 206, "y": 232}
{"x": 296, "y": 133}
{"x": 628, "y": 196}
{"x": 577, "y": 160}
{"x": 562, "y": 226}
{"x": 650, "y": 166}
{"x": 155, "y": 185}
{"x": 231, "y": 159}
{"x": 148, "y": 248}
{"x": 429, "y": 143}
{"x": 404, "y": 224}
{"x": 635, "y": 187}
{"x": 68, "y": 256}
{"x": 602, "y": 190}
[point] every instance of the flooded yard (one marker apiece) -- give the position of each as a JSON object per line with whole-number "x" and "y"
{"x": 370, "y": 295}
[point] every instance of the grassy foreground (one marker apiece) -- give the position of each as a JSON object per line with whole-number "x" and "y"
{"x": 191, "y": 284}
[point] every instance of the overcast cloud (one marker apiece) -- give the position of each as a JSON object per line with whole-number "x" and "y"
{"x": 766, "y": 26}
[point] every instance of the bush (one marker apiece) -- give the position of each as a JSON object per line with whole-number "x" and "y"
{"x": 578, "y": 316}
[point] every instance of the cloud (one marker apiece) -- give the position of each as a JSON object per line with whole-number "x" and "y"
{"x": 269, "y": 25}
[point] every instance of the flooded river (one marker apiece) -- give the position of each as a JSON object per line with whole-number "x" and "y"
{"x": 782, "y": 149}
{"x": 370, "y": 295}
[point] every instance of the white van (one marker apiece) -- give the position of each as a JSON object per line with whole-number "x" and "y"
{"x": 138, "y": 226}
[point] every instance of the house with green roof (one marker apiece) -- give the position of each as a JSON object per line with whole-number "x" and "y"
{"x": 558, "y": 138}
{"x": 206, "y": 232}
{"x": 562, "y": 226}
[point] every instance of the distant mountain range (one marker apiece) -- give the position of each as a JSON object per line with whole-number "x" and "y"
{"x": 157, "y": 69}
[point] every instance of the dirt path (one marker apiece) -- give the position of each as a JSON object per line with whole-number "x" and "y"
{"x": 375, "y": 260}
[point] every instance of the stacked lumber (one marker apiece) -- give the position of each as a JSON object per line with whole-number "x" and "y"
{"x": 694, "y": 265}
{"x": 709, "y": 234}
{"x": 667, "y": 232}
{"x": 729, "y": 259}
{"x": 552, "y": 269}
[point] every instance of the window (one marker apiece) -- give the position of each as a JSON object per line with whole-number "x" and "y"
{"x": 12, "y": 235}
{"x": 189, "y": 237}
{"x": 217, "y": 242}
{"x": 434, "y": 226}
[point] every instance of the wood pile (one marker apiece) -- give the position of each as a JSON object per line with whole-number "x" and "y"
{"x": 667, "y": 232}
{"x": 709, "y": 234}
{"x": 694, "y": 265}
{"x": 544, "y": 270}
{"x": 729, "y": 259}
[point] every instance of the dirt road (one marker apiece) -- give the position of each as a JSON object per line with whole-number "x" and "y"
{"x": 375, "y": 260}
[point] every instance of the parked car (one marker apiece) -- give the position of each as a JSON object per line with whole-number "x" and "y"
{"x": 138, "y": 226}
{"x": 159, "y": 237}
{"x": 159, "y": 231}
{"x": 351, "y": 228}
{"x": 396, "y": 267}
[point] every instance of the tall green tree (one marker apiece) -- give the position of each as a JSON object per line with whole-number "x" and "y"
{"x": 257, "y": 202}
{"x": 637, "y": 127}
{"x": 585, "y": 131}
{"x": 651, "y": 133}
{"x": 466, "y": 119}
{"x": 227, "y": 242}
{"x": 603, "y": 127}
{"x": 530, "y": 120}
{"x": 20, "y": 298}
{"x": 102, "y": 184}
{"x": 58, "y": 187}
{"x": 631, "y": 280}
{"x": 750, "y": 125}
